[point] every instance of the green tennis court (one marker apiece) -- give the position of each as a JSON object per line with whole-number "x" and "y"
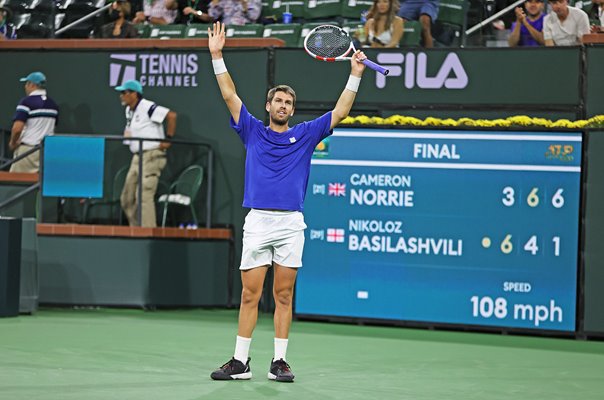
{"x": 133, "y": 354}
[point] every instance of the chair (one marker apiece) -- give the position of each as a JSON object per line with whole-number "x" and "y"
{"x": 450, "y": 26}
{"x": 354, "y": 8}
{"x": 167, "y": 32}
{"x": 309, "y": 26}
{"x": 412, "y": 34}
{"x": 315, "y": 9}
{"x": 290, "y": 33}
{"x": 183, "y": 191}
{"x": 243, "y": 31}
{"x": 75, "y": 11}
{"x": 112, "y": 199}
{"x": 277, "y": 8}
{"x": 40, "y": 25}
{"x": 197, "y": 31}
{"x": 143, "y": 30}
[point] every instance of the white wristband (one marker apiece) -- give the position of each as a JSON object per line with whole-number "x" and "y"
{"x": 219, "y": 66}
{"x": 353, "y": 83}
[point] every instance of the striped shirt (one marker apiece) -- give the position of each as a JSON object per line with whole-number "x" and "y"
{"x": 231, "y": 12}
{"x": 40, "y": 114}
{"x": 157, "y": 9}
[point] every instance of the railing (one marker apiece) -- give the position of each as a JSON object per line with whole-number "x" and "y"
{"x": 210, "y": 173}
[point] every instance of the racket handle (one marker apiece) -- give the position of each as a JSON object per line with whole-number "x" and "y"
{"x": 376, "y": 67}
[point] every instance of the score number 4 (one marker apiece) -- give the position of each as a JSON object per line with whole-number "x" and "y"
{"x": 531, "y": 245}
{"x": 532, "y": 199}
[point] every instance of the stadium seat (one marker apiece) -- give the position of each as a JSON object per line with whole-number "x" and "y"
{"x": 183, "y": 191}
{"x": 318, "y": 9}
{"x": 40, "y": 25}
{"x": 75, "y": 11}
{"x": 167, "y": 31}
{"x": 243, "y": 31}
{"x": 290, "y": 33}
{"x": 112, "y": 199}
{"x": 143, "y": 30}
{"x": 309, "y": 27}
{"x": 354, "y": 8}
{"x": 354, "y": 29}
{"x": 450, "y": 26}
{"x": 412, "y": 34}
{"x": 197, "y": 31}
{"x": 276, "y": 9}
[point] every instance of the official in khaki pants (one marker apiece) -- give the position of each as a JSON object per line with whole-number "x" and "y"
{"x": 144, "y": 119}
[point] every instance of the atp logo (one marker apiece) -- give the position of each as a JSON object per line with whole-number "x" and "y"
{"x": 123, "y": 69}
{"x": 451, "y": 74}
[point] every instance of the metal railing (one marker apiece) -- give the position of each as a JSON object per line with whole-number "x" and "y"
{"x": 40, "y": 147}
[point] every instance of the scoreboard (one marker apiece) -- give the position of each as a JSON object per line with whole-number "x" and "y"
{"x": 457, "y": 227}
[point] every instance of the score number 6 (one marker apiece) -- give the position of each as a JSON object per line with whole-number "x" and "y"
{"x": 532, "y": 199}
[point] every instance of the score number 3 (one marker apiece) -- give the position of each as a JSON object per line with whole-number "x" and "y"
{"x": 532, "y": 199}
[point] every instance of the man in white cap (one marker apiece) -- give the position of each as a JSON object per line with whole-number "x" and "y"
{"x": 144, "y": 119}
{"x": 35, "y": 118}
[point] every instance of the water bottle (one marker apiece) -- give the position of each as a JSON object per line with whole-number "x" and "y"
{"x": 287, "y": 16}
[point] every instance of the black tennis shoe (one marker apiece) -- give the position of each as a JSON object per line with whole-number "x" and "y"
{"x": 234, "y": 369}
{"x": 280, "y": 371}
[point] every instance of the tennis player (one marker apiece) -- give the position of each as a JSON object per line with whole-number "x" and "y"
{"x": 276, "y": 175}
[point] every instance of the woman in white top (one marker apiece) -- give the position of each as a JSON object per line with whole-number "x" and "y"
{"x": 384, "y": 28}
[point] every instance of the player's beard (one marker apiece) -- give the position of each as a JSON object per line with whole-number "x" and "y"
{"x": 279, "y": 121}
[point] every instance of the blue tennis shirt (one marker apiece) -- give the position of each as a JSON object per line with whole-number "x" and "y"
{"x": 277, "y": 165}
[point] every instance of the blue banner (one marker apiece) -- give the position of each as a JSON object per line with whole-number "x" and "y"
{"x": 460, "y": 227}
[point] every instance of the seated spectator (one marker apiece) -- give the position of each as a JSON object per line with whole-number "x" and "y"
{"x": 7, "y": 30}
{"x": 528, "y": 28}
{"x": 155, "y": 12}
{"x": 235, "y": 12}
{"x": 120, "y": 28}
{"x": 426, "y": 12}
{"x": 191, "y": 11}
{"x": 384, "y": 28}
{"x": 564, "y": 26}
{"x": 595, "y": 12}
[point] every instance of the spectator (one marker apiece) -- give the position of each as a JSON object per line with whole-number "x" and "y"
{"x": 595, "y": 13}
{"x": 384, "y": 28}
{"x": 426, "y": 12}
{"x": 528, "y": 28}
{"x": 7, "y": 30}
{"x": 144, "y": 119}
{"x": 191, "y": 11}
{"x": 235, "y": 12}
{"x": 120, "y": 28}
{"x": 35, "y": 118}
{"x": 564, "y": 26}
{"x": 155, "y": 12}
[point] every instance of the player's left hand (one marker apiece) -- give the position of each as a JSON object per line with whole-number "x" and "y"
{"x": 356, "y": 64}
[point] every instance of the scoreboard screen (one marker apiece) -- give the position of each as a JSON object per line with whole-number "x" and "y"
{"x": 456, "y": 227}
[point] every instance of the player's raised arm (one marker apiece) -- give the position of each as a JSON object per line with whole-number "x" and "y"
{"x": 346, "y": 99}
{"x": 216, "y": 40}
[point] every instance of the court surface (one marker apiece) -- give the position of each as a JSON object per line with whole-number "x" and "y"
{"x": 131, "y": 354}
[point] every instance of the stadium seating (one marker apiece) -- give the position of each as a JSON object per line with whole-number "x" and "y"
{"x": 290, "y": 33}
{"x": 309, "y": 27}
{"x": 167, "y": 31}
{"x": 197, "y": 31}
{"x": 354, "y": 8}
{"x": 41, "y": 23}
{"x": 243, "y": 31}
{"x": 275, "y": 9}
{"x": 450, "y": 26}
{"x": 73, "y": 12}
{"x": 319, "y": 9}
{"x": 412, "y": 34}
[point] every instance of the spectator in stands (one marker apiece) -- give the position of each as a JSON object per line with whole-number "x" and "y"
{"x": 564, "y": 26}
{"x": 426, "y": 12}
{"x": 235, "y": 12}
{"x": 528, "y": 28}
{"x": 120, "y": 28}
{"x": 35, "y": 118}
{"x": 144, "y": 119}
{"x": 595, "y": 13}
{"x": 7, "y": 30}
{"x": 191, "y": 11}
{"x": 155, "y": 12}
{"x": 384, "y": 28}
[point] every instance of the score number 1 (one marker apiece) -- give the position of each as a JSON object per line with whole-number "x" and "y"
{"x": 532, "y": 199}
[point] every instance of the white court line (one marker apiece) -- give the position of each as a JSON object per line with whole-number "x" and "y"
{"x": 430, "y": 165}
{"x": 456, "y": 136}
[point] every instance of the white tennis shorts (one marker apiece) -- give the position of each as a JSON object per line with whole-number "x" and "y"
{"x": 272, "y": 236}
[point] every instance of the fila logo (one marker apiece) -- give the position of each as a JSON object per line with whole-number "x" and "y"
{"x": 451, "y": 74}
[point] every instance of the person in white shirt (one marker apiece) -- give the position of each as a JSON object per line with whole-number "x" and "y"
{"x": 564, "y": 26}
{"x": 144, "y": 119}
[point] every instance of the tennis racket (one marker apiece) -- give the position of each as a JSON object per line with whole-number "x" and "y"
{"x": 331, "y": 43}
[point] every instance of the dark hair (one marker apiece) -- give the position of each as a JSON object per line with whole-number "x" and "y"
{"x": 280, "y": 88}
{"x": 394, "y": 7}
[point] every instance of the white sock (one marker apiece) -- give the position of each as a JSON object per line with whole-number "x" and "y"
{"x": 280, "y": 348}
{"x": 242, "y": 348}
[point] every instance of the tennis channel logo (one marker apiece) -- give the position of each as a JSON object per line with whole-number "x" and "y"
{"x": 451, "y": 73}
{"x": 154, "y": 70}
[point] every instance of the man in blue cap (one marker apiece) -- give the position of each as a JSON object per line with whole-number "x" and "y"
{"x": 35, "y": 118}
{"x": 144, "y": 119}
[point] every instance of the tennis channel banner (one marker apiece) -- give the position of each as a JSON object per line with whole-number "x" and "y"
{"x": 455, "y": 227}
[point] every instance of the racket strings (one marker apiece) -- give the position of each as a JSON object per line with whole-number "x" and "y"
{"x": 328, "y": 42}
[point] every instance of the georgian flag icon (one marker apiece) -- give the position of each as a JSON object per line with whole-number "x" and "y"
{"x": 335, "y": 235}
{"x": 336, "y": 189}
